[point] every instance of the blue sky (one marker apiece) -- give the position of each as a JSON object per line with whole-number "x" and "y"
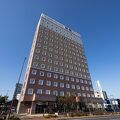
{"x": 98, "y": 22}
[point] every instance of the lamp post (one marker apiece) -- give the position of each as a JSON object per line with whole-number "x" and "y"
{"x": 9, "y": 112}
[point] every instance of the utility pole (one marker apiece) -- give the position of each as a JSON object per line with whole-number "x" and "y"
{"x": 9, "y": 112}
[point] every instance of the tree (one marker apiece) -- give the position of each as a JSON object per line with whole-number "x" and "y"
{"x": 66, "y": 103}
{"x": 3, "y": 103}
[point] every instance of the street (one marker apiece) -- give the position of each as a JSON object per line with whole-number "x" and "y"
{"x": 100, "y": 118}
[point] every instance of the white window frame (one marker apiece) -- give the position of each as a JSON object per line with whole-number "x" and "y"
{"x": 34, "y": 72}
{"x": 32, "y": 81}
{"x": 47, "y": 92}
{"x": 78, "y": 87}
{"x": 55, "y": 84}
{"x": 62, "y": 93}
{"x": 49, "y": 75}
{"x": 73, "y": 86}
{"x": 48, "y": 83}
{"x": 61, "y": 77}
{"x": 67, "y": 78}
{"x": 62, "y": 85}
{"x": 30, "y": 91}
{"x": 42, "y": 66}
{"x": 67, "y": 85}
{"x": 40, "y": 82}
{"x": 41, "y": 73}
{"x": 78, "y": 94}
{"x": 56, "y": 76}
{"x": 39, "y": 91}
{"x": 55, "y": 92}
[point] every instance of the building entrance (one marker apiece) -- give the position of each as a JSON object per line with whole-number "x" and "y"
{"x": 41, "y": 108}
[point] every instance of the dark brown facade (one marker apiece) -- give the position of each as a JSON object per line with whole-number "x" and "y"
{"x": 57, "y": 66}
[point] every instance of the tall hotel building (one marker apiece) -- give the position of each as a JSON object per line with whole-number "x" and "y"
{"x": 57, "y": 66}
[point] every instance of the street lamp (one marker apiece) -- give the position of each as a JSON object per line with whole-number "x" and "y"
{"x": 9, "y": 112}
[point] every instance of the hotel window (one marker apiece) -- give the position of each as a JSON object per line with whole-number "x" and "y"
{"x": 75, "y": 68}
{"x": 55, "y": 84}
{"x": 66, "y": 65}
{"x": 89, "y": 83}
{"x": 36, "y": 57}
{"x": 32, "y": 81}
{"x": 61, "y": 84}
{"x": 84, "y": 94}
{"x": 56, "y": 69}
{"x": 87, "y": 88}
{"x": 72, "y": 79}
{"x": 42, "y": 66}
{"x": 80, "y": 75}
{"x": 88, "y": 95}
{"x": 30, "y": 91}
{"x": 78, "y": 87}
{"x": 88, "y": 76}
{"x": 55, "y": 56}
{"x": 45, "y": 47}
{"x": 73, "y": 86}
{"x": 71, "y": 67}
{"x": 92, "y": 95}
{"x": 68, "y": 93}
{"x": 35, "y": 64}
{"x": 67, "y": 71}
{"x": 85, "y": 76}
{"x": 61, "y": 53}
{"x": 79, "y": 69}
{"x": 81, "y": 81}
{"x": 67, "y": 85}
{"x": 91, "y": 89}
{"x": 67, "y": 78}
{"x": 66, "y": 60}
{"x": 39, "y": 91}
{"x": 61, "y": 70}
{"x": 50, "y": 49}
{"x": 76, "y": 74}
{"x": 38, "y": 45}
{"x": 77, "y": 80}
{"x": 79, "y": 94}
{"x": 71, "y": 72}
{"x": 61, "y": 93}
{"x": 43, "y": 59}
{"x": 56, "y": 76}
{"x": 37, "y": 51}
{"x": 43, "y": 52}
{"x": 55, "y": 92}
{"x": 56, "y": 62}
{"x": 34, "y": 72}
{"x": 47, "y": 92}
{"x": 82, "y": 87}
{"x": 61, "y": 58}
{"x": 48, "y": 74}
{"x": 40, "y": 82}
{"x": 70, "y": 61}
{"x": 41, "y": 73}
{"x": 50, "y": 60}
{"x": 85, "y": 81}
{"x": 50, "y": 54}
{"x": 61, "y": 64}
{"x": 49, "y": 67}
{"x": 48, "y": 83}
{"x": 61, "y": 77}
